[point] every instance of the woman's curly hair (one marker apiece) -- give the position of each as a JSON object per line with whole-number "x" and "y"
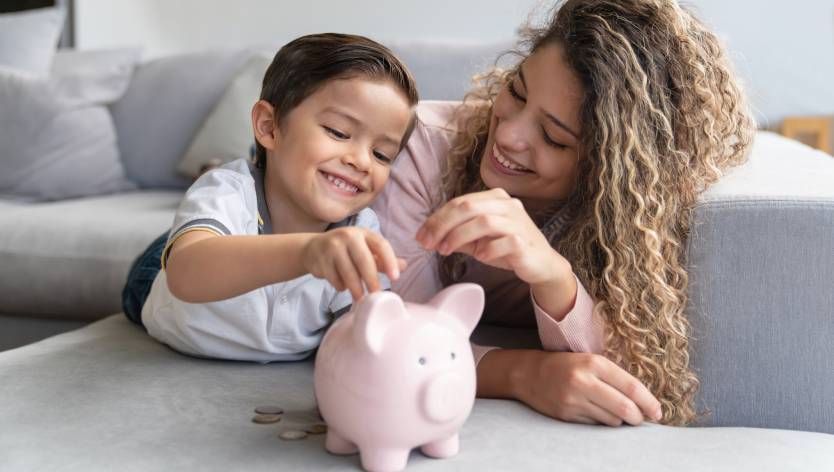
{"x": 662, "y": 118}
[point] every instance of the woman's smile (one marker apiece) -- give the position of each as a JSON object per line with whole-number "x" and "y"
{"x": 505, "y": 165}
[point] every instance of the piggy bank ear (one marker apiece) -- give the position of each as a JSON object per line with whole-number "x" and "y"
{"x": 374, "y": 315}
{"x": 463, "y": 301}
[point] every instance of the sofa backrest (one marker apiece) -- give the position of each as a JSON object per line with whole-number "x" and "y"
{"x": 169, "y": 98}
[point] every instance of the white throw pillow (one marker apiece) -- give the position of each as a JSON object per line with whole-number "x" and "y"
{"x": 28, "y": 39}
{"x": 57, "y": 138}
{"x": 226, "y": 134}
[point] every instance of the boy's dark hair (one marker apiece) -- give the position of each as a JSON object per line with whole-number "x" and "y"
{"x": 307, "y": 63}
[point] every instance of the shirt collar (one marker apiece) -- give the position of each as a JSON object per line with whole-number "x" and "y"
{"x": 264, "y": 221}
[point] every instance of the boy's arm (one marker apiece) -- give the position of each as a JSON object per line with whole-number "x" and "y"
{"x": 204, "y": 267}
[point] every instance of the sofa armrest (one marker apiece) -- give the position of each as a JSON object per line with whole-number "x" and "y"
{"x": 761, "y": 258}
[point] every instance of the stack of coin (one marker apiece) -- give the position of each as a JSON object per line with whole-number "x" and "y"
{"x": 316, "y": 428}
{"x": 267, "y": 414}
{"x": 292, "y": 435}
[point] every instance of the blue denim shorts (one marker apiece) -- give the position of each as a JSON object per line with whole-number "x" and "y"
{"x": 140, "y": 278}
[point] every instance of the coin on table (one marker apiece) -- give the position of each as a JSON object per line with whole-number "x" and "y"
{"x": 266, "y": 419}
{"x": 318, "y": 428}
{"x": 269, "y": 410}
{"x": 292, "y": 435}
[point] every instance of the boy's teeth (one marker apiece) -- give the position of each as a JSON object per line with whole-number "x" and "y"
{"x": 504, "y": 161}
{"x": 342, "y": 184}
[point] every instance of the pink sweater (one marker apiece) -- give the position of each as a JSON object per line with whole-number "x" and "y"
{"x": 411, "y": 193}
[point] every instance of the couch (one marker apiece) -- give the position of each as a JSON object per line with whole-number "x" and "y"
{"x": 103, "y": 395}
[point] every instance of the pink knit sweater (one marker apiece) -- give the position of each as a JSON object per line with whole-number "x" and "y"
{"x": 409, "y": 197}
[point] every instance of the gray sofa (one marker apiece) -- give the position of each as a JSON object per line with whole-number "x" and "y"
{"x": 106, "y": 396}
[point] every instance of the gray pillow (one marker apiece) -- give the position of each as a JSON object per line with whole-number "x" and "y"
{"x": 28, "y": 39}
{"x": 164, "y": 107}
{"x": 57, "y": 138}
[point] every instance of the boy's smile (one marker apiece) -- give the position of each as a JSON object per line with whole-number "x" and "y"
{"x": 331, "y": 155}
{"x": 342, "y": 185}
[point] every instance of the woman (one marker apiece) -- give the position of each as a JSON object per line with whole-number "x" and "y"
{"x": 565, "y": 188}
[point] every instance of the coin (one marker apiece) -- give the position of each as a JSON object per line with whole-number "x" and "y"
{"x": 318, "y": 428}
{"x": 269, "y": 410}
{"x": 292, "y": 435}
{"x": 266, "y": 419}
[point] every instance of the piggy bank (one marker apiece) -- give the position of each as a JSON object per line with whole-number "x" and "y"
{"x": 391, "y": 376}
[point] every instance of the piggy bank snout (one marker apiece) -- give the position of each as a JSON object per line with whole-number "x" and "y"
{"x": 444, "y": 397}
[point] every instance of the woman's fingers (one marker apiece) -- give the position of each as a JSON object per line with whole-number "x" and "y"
{"x": 615, "y": 403}
{"x": 633, "y": 389}
{"x": 472, "y": 230}
{"x": 488, "y": 251}
{"x": 582, "y": 419}
{"x": 461, "y": 209}
{"x": 601, "y": 415}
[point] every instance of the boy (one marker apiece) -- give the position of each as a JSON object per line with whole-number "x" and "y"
{"x": 246, "y": 266}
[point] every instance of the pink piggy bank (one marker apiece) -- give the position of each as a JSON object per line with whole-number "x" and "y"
{"x": 391, "y": 376}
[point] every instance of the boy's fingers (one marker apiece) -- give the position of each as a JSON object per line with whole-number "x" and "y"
{"x": 401, "y": 263}
{"x": 348, "y": 274}
{"x": 332, "y": 276}
{"x": 384, "y": 256}
{"x": 363, "y": 260}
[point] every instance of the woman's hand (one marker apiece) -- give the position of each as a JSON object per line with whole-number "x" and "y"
{"x": 575, "y": 387}
{"x": 350, "y": 257}
{"x": 495, "y": 229}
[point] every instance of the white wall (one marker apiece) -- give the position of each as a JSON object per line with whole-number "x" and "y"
{"x": 784, "y": 49}
{"x": 169, "y": 26}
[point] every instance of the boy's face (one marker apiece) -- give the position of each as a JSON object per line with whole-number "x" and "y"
{"x": 331, "y": 156}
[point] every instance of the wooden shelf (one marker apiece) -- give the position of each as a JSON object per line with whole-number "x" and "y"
{"x": 815, "y": 131}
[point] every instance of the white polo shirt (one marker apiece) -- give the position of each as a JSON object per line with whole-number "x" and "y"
{"x": 279, "y": 322}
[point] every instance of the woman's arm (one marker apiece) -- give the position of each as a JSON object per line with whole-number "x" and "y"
{"x": 494, "y": 228}
{"x": 556, "y": 296}
{"x": 576, "y": 387}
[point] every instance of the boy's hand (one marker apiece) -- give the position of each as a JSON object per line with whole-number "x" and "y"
{"x": 349, "y": 257}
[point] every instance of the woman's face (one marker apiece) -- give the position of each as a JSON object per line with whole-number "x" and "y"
{"x": 531, "y": 150}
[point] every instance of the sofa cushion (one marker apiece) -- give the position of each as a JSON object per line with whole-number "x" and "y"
{"x": 70, "y": 258}
{"x": 226, "y": 134}
{"x": 28, "y": 39}
{"x": 110, "y": 397}
{"x": 166, "y": 103}
{"x": 57, "y": 138}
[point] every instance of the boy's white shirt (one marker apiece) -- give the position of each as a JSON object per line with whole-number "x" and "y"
{"x": 279, "y": 322}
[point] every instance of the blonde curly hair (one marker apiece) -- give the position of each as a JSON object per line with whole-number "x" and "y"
{"x": 662, "y": 118}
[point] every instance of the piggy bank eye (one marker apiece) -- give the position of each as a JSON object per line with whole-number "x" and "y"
{"x": 453, "y": 356}
{"x": 422, "y": 361}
